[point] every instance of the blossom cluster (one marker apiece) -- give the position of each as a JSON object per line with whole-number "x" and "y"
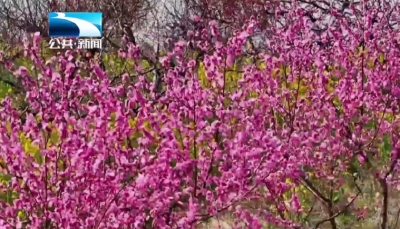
{"x": 229, "y": 131}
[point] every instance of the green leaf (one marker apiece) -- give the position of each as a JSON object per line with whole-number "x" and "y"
{"x": 8, "y": 197}
{"x": 113, "y": 117}
{"x": 4, "y": 178}
{"x": 371, "y": 64}
{"x": 61, "y": 164}
{"x": 134, "y": 139}
{"x": 5, "y": 89}
{"x": 153, "y": 147}
{"x": 31, "y": 149}
{"x": 261, "y": 65}
{"x": 285, "y": 70}
{"x": 3, "y": 196}
{"x": 110, "y": 160}
{"x": 345, "y": 218}
{"x": 215, "y": 171}
{"x": 370, "y": 125}
{"x": 194, "y": 154}
{"x": 173, "y": 163}
{"x": 178, "y": 137}
{"x": 205, "y": 83}
{"x": 145, "y": 64}
{"x": 381, "y": 58}
{"x": 22, "y": 215}
{"x": 334, "y": 78}
{"x": 105, "y": 57}
{"x": 354, "y": 166}
{"x": 386, "y": 147}
{"x": 307, "y": 168}
{"x": 338, "y": 195}
{"x": 54, "y": 137}
{"x": 280, "y": 119}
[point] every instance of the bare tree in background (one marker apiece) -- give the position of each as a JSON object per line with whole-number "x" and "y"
{"x": 157, "y": 24}
{"x": 18, "y": 17}
{"x": 177, "y": 16}
{"x": 152, "y": 21}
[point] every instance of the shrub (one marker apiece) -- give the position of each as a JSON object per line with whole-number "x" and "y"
{"x": 302, "y": 137}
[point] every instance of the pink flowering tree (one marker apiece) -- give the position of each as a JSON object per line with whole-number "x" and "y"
{"x": 298, "y": 136}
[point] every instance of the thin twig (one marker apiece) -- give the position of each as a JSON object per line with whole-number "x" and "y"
{"x": 338, "y": 213}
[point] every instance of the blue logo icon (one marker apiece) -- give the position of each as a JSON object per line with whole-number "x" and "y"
{"x": 75, "y": 24}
